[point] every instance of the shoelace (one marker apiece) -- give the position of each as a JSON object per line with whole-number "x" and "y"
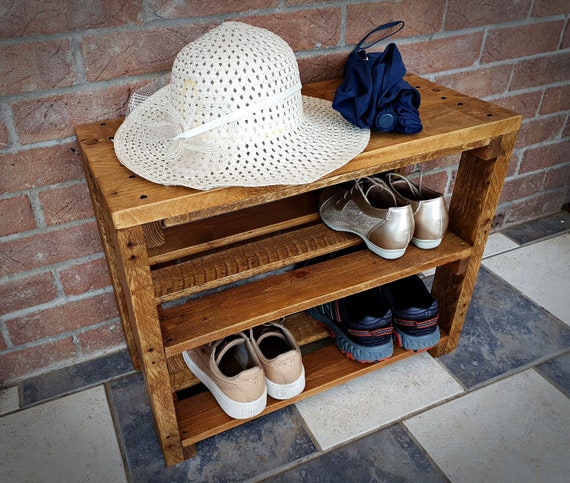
{"x": 374, "y": 182}
{"x": 416, "y": 191}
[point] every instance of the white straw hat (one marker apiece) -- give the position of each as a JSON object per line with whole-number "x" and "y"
{"x": 233, "y": 115}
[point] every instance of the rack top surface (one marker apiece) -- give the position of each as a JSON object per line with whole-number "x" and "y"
{"x": 453, "y": 122}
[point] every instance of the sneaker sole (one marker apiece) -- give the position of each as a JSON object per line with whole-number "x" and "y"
{"x": 234, "y": 409}
{"x": 286, "y": 391}
{"x": 352, "y": 350}
{"x": 426, "y": 244}
{"x": 416, "y": 343}
{"x": 382, "y": 252}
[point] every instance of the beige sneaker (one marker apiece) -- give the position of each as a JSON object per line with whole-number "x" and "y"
{"x": 430, "y": 214}
{"x": 232, "y": 372}
{"x": 370, "y": 210}
{"x": 280, "y": 356}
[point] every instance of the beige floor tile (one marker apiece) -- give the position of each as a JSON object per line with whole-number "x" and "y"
{"x": 516, "y": 430}
{"x": 70, "y": 439}
{"x": 541, "y": 272}
{"x": 498, "y": 243}
{"x": 377, "y": 399}
{"x": 9, "y": 400}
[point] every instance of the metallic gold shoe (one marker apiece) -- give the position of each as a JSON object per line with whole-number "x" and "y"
{"x": 430, "y": 214}
{"x": 370, "y": 210}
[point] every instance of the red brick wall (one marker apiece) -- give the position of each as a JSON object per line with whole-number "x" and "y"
{"x": 68, "y": 62}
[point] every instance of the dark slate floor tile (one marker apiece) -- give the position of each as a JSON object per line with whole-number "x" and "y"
{"x": 242, "y": 453}
{"x": 388, "y": 455}
{"x": 537, "y": 229}
{"x": 74, "y": 378}
{"x": 557, "y": 371}
{"x": 503, "y": 331}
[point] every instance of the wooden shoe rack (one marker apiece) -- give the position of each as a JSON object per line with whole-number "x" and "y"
{"x": 190, "y": 267}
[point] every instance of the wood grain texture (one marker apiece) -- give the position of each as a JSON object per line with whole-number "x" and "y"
{"x": 220, "y": 314}
{"x": 232, "y": 234}
{"x": 452, "y": 123}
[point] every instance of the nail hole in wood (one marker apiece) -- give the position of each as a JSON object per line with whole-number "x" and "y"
{"x": 143, "y": 197}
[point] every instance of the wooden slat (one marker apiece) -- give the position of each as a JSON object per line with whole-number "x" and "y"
{"x": 215, "y": 316}
{"x": 200, "y": 416}
{"x": 131, "y": 250}
{"x": 452, "y": 123}
{"x": 202, "y": 235}
{"x": 248, "y": 260}
{"x": 304, "y": 329}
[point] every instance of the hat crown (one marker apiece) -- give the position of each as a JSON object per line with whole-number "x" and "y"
{"x": 233, "y": 67}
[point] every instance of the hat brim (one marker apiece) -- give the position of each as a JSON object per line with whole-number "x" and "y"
{"x": 322, "y": 142}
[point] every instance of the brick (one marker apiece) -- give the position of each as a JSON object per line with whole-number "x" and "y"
{"x": 177, "y": 9}
{"x": 556, "y": 99}
{"x": 566, "y": 38}
{"x": 28, "y": 292}
{"x": 35, "y": 66}
{"x": 541, "y": 71}
{"x": 422, "y": 17}
{"x": 39, "y": 167}
{"x": 545, "y": 156}
{"x": 85, "y": 277}
{"x": 320, "y": 68}
{"x": 522, "y": 187}
{"x": 440, "y": 163}
{"x": 59, "y": 320}
{"x": 481, "y": 83}
{"x": 119, "y": 54}
{"x": 546, "y": 8}
{"x": 525, "y": 104}
{"x": 540, "y": 204}
{"x": 462, "y": 14}
{"x": 49, "y": 248}
{"x": 55, "y": 117}
{"x": 16, "y": 364}
{"x": 541, "y": 129}
{"x": 16, "y": 215}
{"x": 102, "y": 339}
{"x": 303, "y": 30}
{"x": 558, "y": 177}
{"x": 32, "y": 17}
{"x": 442, "y": 54}
{"x": 521, "y": 41}
{"x": 66, "y": 204}
{"x": 4, "y": 135}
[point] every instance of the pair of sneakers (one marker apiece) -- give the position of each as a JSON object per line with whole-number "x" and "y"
{"x": 386, "y": 213}
{"x": 242, "y": 370}
{"x": 366, "y": 325}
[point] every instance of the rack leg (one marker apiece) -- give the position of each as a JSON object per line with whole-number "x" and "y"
{"x": 477, "y": 189}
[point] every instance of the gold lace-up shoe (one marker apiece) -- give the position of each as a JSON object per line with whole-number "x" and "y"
{"x": 370, "y": 210}
{"x": 430, "y": 214}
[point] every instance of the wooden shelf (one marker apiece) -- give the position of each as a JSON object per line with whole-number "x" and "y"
{"x": 220, "y": 314}
{"x": 200, "y": 417}
{"x": 190, "y": 237}
{"x": 247, "y": 260}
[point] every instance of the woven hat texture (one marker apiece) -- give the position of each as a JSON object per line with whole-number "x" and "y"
{"x": 233, "y": 115}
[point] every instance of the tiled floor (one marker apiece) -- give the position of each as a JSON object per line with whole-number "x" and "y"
{"x": 496, "y": 409}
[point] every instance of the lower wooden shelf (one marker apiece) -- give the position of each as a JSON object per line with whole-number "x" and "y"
{"x": 200, "y": 416}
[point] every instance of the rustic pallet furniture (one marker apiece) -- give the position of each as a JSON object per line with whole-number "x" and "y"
{"x": 166, "y": 244}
